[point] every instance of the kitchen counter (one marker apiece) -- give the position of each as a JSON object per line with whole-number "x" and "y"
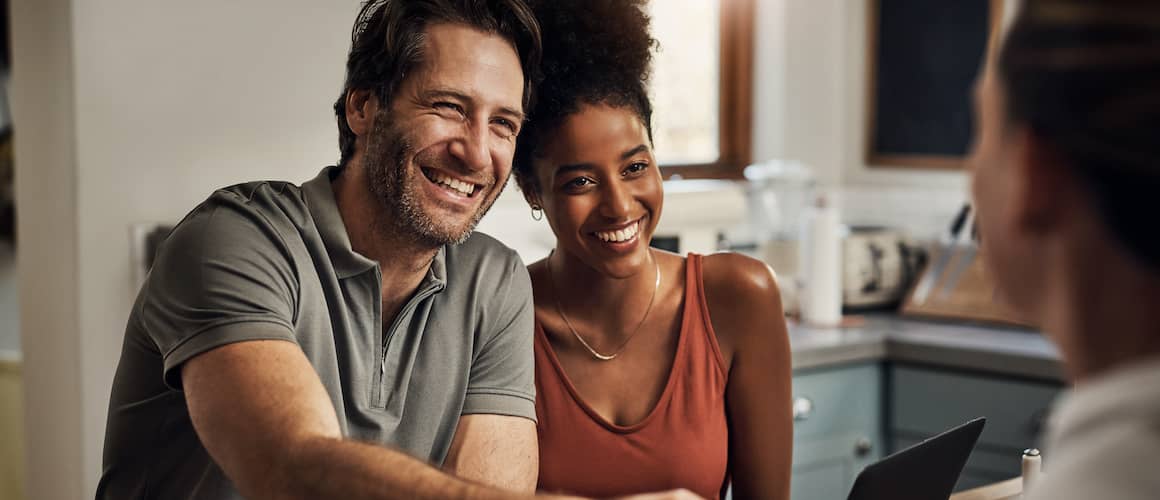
{"x": 994, "y": 349}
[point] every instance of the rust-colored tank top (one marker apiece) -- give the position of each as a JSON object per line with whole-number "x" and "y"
{"x": 682, "y": 443}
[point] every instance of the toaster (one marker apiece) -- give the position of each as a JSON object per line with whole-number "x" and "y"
{"x": 878, "y": 266}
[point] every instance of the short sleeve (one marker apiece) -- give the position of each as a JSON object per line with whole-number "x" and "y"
{"x": 223, "y": 275}
{"x": 502, "y": 379}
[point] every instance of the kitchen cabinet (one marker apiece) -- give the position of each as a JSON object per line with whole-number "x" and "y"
{"x": 849, "y": 416}
{"x": 837, "y": 428}
{"x": 924, "y": 401}
{"x": 867, "y": 391}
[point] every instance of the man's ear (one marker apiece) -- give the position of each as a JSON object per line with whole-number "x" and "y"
{"x": 361, "y": 108}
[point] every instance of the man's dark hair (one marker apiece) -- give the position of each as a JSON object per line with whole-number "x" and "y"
{"x": 1084, "y": 77}
{"x": 595, "y": 52}
{"x": 388, "y": 39}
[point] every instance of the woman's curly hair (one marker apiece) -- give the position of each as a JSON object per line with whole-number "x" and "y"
{"x": 594, "y": 52}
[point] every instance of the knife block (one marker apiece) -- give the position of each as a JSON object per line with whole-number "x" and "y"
{"x": 972, "y": 296}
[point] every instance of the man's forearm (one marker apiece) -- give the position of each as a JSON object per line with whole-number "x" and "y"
{"x": 495, "y": 450}
{"x": 336, "y": 468}
{"x": 265, "y": 418}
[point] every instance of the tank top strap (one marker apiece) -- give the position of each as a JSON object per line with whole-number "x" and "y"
{"x": 697, "y": 312}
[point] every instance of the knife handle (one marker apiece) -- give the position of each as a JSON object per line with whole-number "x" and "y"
{"x": 959, "y": 220}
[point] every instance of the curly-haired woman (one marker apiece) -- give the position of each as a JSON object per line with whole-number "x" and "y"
{"x": 653, "y": 370}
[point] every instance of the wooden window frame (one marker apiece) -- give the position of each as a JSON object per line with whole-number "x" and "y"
{"x": 735, "y": 98}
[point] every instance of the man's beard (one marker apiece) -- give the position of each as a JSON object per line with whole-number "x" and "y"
{"x": 397, "y": 188}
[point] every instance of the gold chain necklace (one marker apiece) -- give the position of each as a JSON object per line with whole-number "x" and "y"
{"x": 560, "y": 310}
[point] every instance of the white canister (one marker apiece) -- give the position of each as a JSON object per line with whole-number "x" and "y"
{"x": 1032, "y": 468}
{"x": 820, "y": 272}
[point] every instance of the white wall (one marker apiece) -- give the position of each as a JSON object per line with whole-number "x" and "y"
{"x": 134, "y": 111}
{"x": 769, "y": 72}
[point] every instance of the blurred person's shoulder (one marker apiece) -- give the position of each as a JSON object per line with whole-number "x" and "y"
{"x": 1104, "y": 438}
{"x": 1115, "y": 462}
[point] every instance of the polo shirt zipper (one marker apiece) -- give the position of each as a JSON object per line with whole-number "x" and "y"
{"x": 405, "y": 311}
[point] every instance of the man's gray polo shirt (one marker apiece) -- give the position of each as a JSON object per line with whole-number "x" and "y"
{"x": 271, "y": 260}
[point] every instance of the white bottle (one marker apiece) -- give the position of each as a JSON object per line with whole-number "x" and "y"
{"x": 821, "y": 265}
{"x": 1032, "y": 468}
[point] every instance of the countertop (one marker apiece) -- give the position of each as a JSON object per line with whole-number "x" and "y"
{"x": 994, "y": 349}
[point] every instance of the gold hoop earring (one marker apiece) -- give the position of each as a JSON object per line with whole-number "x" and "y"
{"x": 537, "y": 213}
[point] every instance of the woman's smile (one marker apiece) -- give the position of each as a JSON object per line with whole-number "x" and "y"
{"x": 621, "y": 238}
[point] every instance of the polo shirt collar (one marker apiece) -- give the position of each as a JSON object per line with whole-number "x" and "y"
{"x": 323, "y": 208}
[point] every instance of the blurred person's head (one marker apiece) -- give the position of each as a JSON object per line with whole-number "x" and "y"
{"x": 1066, "y": 168}
{"x": 435, "y": 95}
{"x": 585, "y": 157}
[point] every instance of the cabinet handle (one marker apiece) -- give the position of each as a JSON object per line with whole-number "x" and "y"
{"x": 803, "y": 407}
{"x": 862, "y": 446}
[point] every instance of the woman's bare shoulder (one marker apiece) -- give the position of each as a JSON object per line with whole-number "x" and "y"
{"x": 743, "y": 299}
{"x": 735, "y": 277}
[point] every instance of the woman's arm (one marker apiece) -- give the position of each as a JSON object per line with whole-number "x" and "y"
{"x": 746, "y": 312}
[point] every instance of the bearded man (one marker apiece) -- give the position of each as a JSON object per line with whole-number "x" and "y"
{"x": 350, "y": 337}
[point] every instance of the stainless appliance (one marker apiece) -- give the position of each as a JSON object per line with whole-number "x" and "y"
{"x": 879, "y": 264}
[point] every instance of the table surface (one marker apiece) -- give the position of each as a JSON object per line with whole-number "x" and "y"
{"x": 1010, "y": 489}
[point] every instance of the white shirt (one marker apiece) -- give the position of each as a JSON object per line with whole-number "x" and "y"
{"x": 1104, "y": 439}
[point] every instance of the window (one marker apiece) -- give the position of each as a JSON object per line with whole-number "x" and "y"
{"x": 701, "y": 86}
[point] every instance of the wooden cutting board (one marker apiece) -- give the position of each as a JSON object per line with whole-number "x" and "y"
{"x": 969, "y": 296}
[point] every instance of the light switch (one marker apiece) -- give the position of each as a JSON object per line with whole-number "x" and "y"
{"x": 144, "y": 240}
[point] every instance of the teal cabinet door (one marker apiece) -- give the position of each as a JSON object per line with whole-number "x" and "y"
{"x": 824, "y": 469}
{"x": 837, "y": 429}
{"x": 925, "y": 401}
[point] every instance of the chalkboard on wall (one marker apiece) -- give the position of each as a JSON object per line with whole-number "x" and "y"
{"x": 922, "y": 60}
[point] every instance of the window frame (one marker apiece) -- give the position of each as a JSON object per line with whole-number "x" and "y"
{"x": 735, "y": 98}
